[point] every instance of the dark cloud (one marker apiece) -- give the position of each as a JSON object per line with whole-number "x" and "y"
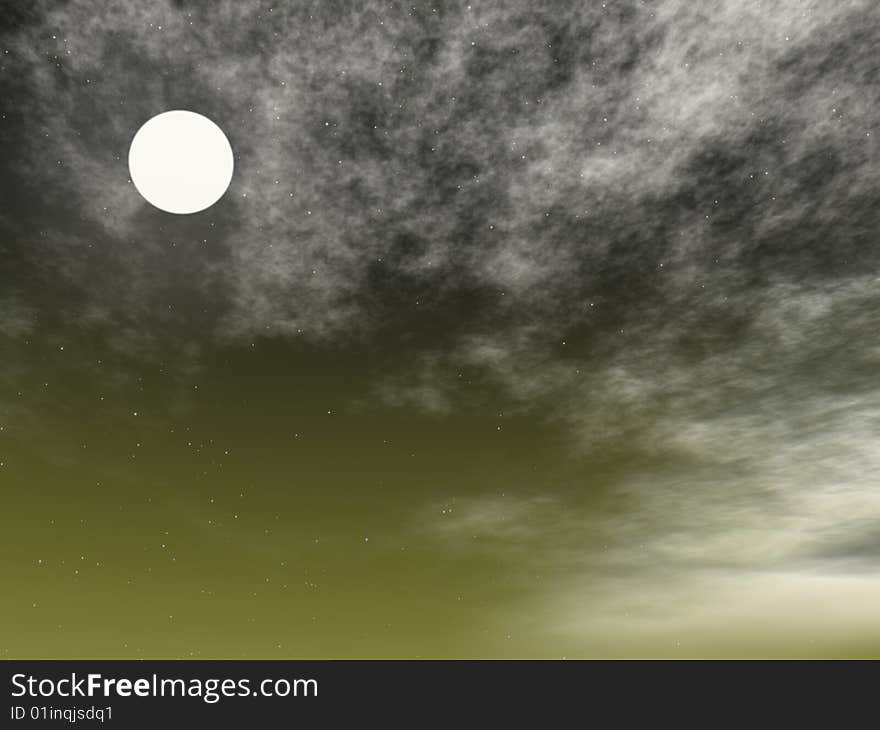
{"x": 853, "y": 546}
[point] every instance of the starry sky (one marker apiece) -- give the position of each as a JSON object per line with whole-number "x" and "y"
{"x": 525, "y": 329}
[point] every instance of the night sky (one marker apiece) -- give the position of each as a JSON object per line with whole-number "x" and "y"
{"x": 524, "y": 329}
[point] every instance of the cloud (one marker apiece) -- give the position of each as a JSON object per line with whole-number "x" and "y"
{"x": 738, "y": 531}
{"x": 16, "y": 318}
{"x": 552, "y": 154}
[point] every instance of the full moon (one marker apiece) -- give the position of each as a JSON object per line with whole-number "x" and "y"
{"x": 181, "y": 162}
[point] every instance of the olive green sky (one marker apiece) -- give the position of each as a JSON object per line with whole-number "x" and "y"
{"x": 523, "y": 330}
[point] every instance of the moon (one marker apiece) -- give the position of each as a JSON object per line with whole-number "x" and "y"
{"x": 181, "y": 162}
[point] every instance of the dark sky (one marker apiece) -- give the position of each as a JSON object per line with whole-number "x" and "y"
{"x": 556, "y": 323}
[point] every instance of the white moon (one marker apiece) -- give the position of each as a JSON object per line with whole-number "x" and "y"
{"x": 181, "y": 162}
